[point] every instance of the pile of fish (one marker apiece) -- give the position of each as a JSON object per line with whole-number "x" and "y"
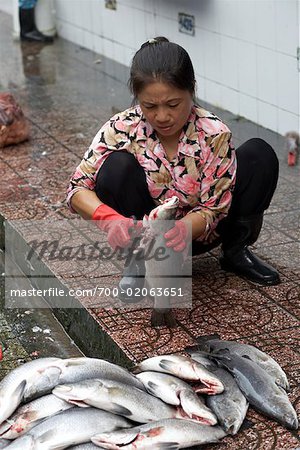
{"x": 169, "y": 401}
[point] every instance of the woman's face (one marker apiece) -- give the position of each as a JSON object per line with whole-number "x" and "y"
{"x": 165, "y": 107}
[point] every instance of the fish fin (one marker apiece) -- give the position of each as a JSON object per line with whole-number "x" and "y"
{"x": 152, "y": 387}
{"x": 203, "y": 346}
{"x": 168, "y": 365}
{"x": 163, "y": 319}
{"x": 207, "y": 337}
{"x": 192, "y": 348}
{"x": 246, "y": 424}
{"x": 136, "y": 369}
{"x": 45, "y": 436}
{"x": 167, "y": 446}
{"x": 79, "y": 403}
{"x": 20, "y": 389}
{"x": 119, "y": 409}
{"x": 75, "y": 361}
{"x": 223, "y": 352}
{"x": 124, "y": 439}
{"x": 203, "y": 341}
{"x": 208, "y": 363}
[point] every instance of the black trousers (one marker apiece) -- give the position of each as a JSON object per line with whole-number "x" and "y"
{"x": 121, "y": 182}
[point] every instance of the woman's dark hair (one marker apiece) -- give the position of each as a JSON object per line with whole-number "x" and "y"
{"x": 159, "y": 59}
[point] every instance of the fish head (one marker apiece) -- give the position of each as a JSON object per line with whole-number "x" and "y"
{"x": 285, "y": 409}
{"x": 165, "y": 211}
{"x": 231, "y": 425}
{"x": 17, "y": 424}
{"x": 224, "y": 358}
{"x": 212, "y": 384}
{"x": 292, "y": 423}
{"x": 75, "y": 394}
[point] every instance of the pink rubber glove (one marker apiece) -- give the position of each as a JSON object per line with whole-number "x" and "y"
{"x": 176, "y": 236}
{"x": 117, "y": 227}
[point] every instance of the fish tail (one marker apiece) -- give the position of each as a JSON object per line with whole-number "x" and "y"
{"x": 163, "y": 318}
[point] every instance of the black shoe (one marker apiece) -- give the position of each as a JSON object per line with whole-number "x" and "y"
{"x": 246, "y": 264}
{"x": 237, "y": 233}
{"x": 36, "y": 36}
{"x": 28, "y": 29}
{"x": 132, "y": 282}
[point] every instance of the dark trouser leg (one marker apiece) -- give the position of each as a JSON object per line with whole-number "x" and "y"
{"x": 28, "y": 29}
{"x": 257, "y": 176}
{"x": 121, "y": 184}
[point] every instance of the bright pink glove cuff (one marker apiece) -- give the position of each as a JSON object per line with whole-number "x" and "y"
{"x": 103, "y": 214}
{"x": 114, "y": 224}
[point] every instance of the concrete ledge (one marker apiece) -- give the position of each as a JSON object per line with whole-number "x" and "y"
{"x": 78, "y": 322}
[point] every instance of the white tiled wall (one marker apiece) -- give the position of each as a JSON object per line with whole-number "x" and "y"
{"x": 244, "y": 51}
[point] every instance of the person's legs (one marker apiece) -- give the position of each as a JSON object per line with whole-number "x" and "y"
{"x": 121, "y": 184}
{"x": 28, "y": 31}
{"x": 257, "y": 175}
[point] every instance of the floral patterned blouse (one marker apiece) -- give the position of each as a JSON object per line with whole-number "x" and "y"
{"x": 202, "y": 174}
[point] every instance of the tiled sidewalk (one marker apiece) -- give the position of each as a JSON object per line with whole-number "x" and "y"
{"x": 66, "y": 97}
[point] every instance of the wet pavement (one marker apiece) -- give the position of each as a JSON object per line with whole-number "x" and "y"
{"x": 66, "y": 95}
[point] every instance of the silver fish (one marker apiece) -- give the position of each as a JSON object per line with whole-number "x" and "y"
{"x": 82, "y": 368}
{"x": 174, "y": 391}
{"x": 163, "y": 274}
{"x": 30, "y": 414}
{"x": 171, "y": 434}
{"x": 117, "y": 398}
{"x": 261, "y": 358}
{"x": 259, "y": 388}
{"x": 70, "y": 427}
{"x": 19, "y": 381}
{"x": 230, "y": 406}
{"x": 185, "y": 368}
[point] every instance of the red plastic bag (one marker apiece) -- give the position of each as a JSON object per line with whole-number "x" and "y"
{"x": 13, "y": 125}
